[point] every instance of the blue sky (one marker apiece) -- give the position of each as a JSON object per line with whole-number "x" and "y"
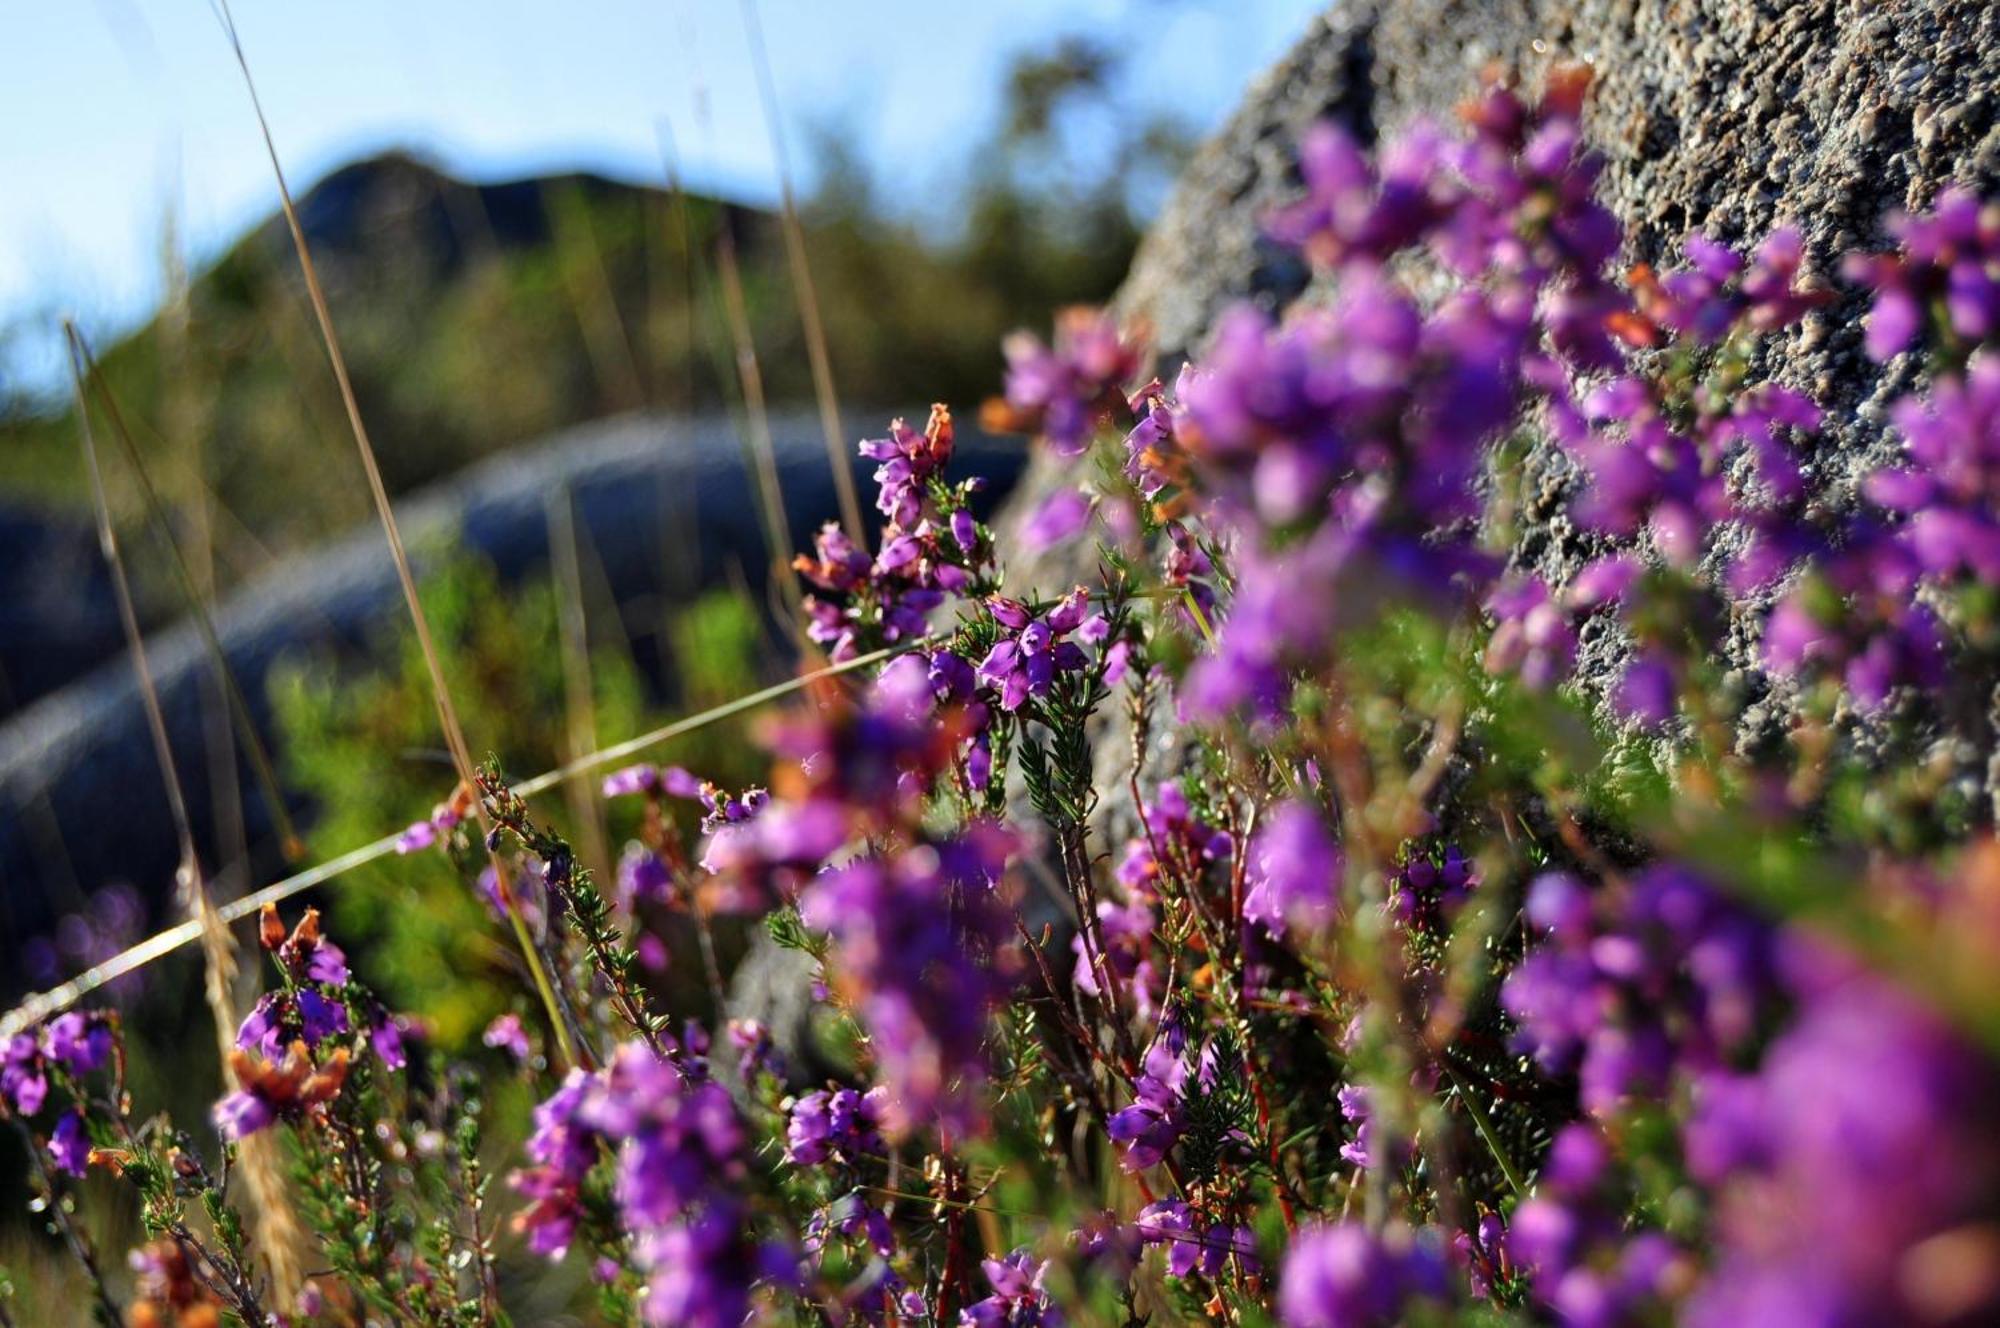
{"x": 117, "y": 115}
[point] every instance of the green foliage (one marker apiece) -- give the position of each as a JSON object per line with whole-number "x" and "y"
{"x": 366, "y": 749}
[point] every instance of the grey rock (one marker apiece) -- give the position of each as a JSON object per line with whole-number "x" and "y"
{"x": 1729, "y": 116}
{"x": 669, "y": 510}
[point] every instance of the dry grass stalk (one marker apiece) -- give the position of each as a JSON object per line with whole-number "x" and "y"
{"x": 777, "y": 530}
{"x": 42, "y": 1005}
{"x": 803, "y": 287}
{"x": 278, "y": 1231}
{"x": 574, "y": 1050}
{"x": 198, "y": 608}
{"x": 579, "y": 701}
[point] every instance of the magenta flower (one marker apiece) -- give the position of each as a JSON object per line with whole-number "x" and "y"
{"x": 507, "y": 1033}
{"x": 1533, "y": 637}
{"x": 1018, "y": 1300}
{"x": 1295, "y": 872}
{"x": 69, "y": 1145}
{"x": 1951, "y": 258}
{"x": 1024, "y": 663}
{"x": 1060, "y": 392}
{"x": 1344, "y": 1276}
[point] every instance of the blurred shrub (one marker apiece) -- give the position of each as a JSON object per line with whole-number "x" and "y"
{"x": 364, "y": 747}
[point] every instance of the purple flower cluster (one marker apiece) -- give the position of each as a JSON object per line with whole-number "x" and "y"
{"x": 920, "y": 958}
{"x": 1033, "y": 648}
{"x": 292, "y": 1051}
{"x": 1067, "y": 392}
{"x": 1018, "y": 1300}
{"x": 1572, "y": 1238}
{"x": 1176, "y": 847}
{"x": 1294, "y": 871}
{"x": 1630, "y": 985}
{"x": 840, "y": 1126}
{"x": 1195, "y": 1245}
{"x": 681, "y": 1161}
{"x": 1487, "y": 1254}
{"x": 1425, "y": 889}
{"x": 1342, "y": 1275}
{"x": 927, "y": 551}
{"x": 1855, "y": 1169}
{"x": 73, "y": 1043}
{"x": 67, "y": 1048}
{"x": 1947, "y": 276}
{"x": 1152, "y": 1125}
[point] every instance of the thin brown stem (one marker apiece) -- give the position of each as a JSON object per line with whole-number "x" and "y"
{"x": 260, "y": 757}
{"x": 454, "y": 733}
{"x": 802, "y": 284}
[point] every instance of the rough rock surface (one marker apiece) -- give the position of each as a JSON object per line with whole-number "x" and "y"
{"x": 1729, "y": 116}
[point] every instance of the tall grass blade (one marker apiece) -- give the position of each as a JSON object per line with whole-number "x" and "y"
{"x": 278, "y": 1227}
{"x": 454, "y": 734}
{"x": 802, "y": 284}
{"x": 579, "y": 703}
{"x": 260, "y": 757}
{"x": 777, "y": 530}
{"x": 41, "y": 1005}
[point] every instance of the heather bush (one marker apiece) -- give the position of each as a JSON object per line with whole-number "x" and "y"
{"x": 1268, "y": 929}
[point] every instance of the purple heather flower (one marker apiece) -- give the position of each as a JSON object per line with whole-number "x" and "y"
{"x": 839, "y": 1126}
{"x": 319, "y": 1017}
{"x": 643, "y": 878}
{"x": 1170, "y": 827}
{"x": 1425, "y": 893}
{"x": 1855, "y": 613}
{"x": 1154, "y": 458}
{"x": 910, "y": 459}
{"x": 1667, "y": 975}
{"x": 78, "y": 1042}
{"x": 1833, "y": 1183}
{"x": 385, "y": 1039}
{"x": 262, "y": 1030}
{"x": 1951, "y": 489}
{"x": 1127, "y": 933}
{"x": 272, "y": 1090}
{"x": 420, "y": 836}
{"x": 681, "y": 1161}
{"x": 1950, "y": 258}
{"x": 757, "y": 1052}
{"x": 1646, "y": 691}
{"x": 964, "y": 530}
{"x": 922, "y": 977}
{"x": 507, "y": 1034}
{"x": 1018, "y": 1300}
{"x": 1572, "y": 1238}
{"x": 1193, "y": 1248}
{"x": 242, "y": 1114}
{"x": 1152, "y": 1125}
{"x": 1061, "y": 517}
{"x": 1059, "y": 392}
{"x": 1353, "y": 1099}
{"x": 1533, "y": 637}
{"x": 1294, "y": 871}
{"x": 69, "y": 1145}
{"x": 1644, "y": 476}
{"x": 888, "y": 597}
{"x": 1342, "y": 1275}
{"x": 328, "y": 964}
{"x": 1355, "y": 212}
{"x": 1025, "y": 662}
{"x": 1486, "y": 1255}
